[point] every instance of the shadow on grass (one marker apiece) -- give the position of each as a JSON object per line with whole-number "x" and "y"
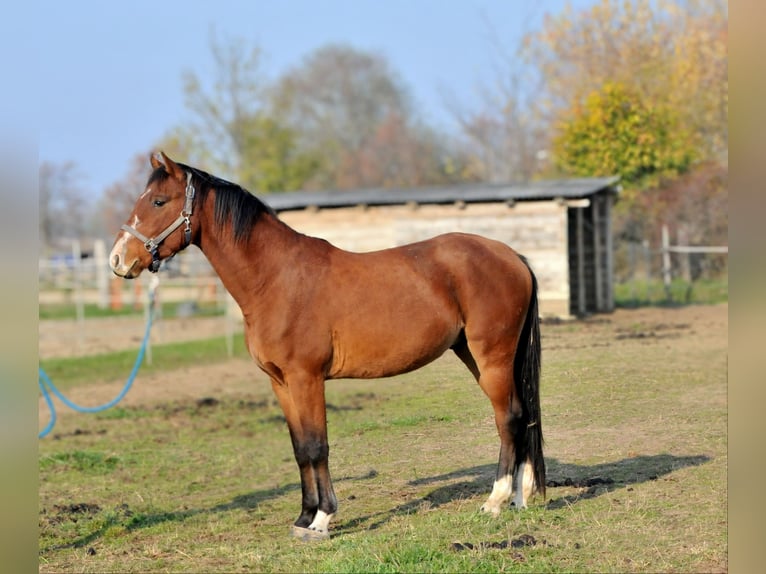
{"x": 474, "y": 482}
{"x": 125, "y": 518}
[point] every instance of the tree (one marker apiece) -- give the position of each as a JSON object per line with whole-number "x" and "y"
{"x": 329, "y": 123}
{"x": 505, "y": 133}
{"x": 233, "y": 133}
{"x": 273, "y": 161}
{"x": 348, "y": 108}
{"x": 615, "y": 132}
{"x": 401, "y": 153}
{"x": 506, "y": 142}
{"x": 119, "y": 198}
{"x": 640, "y": 88}
{"x": 699, "y": 77}
{"x": 669, "y": 52}
{"x": 62, "y": 213}
{"x": 217, "y": 138}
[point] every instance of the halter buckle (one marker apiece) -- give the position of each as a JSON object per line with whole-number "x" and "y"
{"x": 187, "y": 230}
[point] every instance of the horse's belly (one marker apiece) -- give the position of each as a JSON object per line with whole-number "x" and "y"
{"x": 367, "y": 353}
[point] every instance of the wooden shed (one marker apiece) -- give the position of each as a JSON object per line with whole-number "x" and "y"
{"x": 563, "y": 227}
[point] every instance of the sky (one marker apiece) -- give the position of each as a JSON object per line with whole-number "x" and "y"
{"x": 110, "y": 73}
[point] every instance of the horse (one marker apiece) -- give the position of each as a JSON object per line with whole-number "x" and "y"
{"x": 313, "y": 312}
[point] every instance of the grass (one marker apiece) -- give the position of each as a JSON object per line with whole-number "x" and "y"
{"x": 61, "y": 311}
{"x": 642, "y": 293}
{"x": 89, "y": 462}
{"x": 636, "y": 452}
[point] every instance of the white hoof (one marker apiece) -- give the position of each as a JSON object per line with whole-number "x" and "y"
{"x": 501, "y": 492}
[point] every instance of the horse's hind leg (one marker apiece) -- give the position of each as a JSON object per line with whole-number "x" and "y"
{"x": 464, "y": 354}
{"x": 497, "y": 384}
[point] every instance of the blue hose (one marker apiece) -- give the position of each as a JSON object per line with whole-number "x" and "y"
{"x": 45, "y": 382}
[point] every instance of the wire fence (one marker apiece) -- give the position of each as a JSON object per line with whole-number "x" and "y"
{"x": 96, "y": 312}
{"x": 646, "y": 273}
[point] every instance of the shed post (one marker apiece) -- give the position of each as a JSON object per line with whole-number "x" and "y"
{"x": 598, "y": 266}
{"x": 608, "y": 199}
{"x": 581, "y": 286}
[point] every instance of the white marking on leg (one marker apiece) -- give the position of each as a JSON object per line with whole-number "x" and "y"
{"x": 525, "y": 484}
{"x": 321, "y": 522}
{"x": 501, "y": 492}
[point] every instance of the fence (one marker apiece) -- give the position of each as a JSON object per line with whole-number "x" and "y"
{"x": 640, "y": 262}
{"x": 189, "y": 290}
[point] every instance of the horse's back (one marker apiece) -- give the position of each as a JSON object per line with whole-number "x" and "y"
{"x": 452, "y": 268}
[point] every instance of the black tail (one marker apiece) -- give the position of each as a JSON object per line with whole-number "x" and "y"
{"x": 528, "y": 440}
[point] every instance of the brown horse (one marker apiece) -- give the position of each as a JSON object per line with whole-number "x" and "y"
{"x": 314, "y": 312}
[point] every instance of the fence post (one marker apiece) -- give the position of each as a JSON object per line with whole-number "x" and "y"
{"x": 78, "y": 295}
{"x": 581, "y": 284}
{"x": 632, "y": 266}
{"x": 102, "y": 275}
{"x": 666, "y": 259}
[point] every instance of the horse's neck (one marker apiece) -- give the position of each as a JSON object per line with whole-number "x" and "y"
{"x": 251, "y": 268}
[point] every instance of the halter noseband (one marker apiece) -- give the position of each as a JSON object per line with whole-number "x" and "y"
{"x": 152, "y": 244}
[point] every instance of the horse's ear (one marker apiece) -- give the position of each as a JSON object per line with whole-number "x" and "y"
{"x": 173, "y": 169}
{"x": 154, "y": 161}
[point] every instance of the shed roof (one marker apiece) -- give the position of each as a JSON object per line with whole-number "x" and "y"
{"x": 469, "y": 193}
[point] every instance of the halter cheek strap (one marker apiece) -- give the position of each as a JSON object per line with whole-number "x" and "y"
{"x": 152, "y": 244}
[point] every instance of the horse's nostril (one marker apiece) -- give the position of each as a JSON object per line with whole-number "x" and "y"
{"x": 115, "y": 261}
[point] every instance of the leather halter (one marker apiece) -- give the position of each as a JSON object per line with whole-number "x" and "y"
{"x": 152, "y": 244}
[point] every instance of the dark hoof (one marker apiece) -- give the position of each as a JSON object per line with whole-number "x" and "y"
{"x": 307, "y": 535}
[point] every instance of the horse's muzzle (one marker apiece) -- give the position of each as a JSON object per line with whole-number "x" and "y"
{"x": 120, "y": 269}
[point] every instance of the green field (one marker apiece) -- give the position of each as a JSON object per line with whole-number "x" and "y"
{"x": 641, "y": 293}
{"x": 58, "y": 311}
{"x": 634, "y": 415}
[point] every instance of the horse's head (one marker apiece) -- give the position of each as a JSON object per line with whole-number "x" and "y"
{"x": 160, "y": 224}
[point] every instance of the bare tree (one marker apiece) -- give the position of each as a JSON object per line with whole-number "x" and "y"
{"x": 223, "y": 111}
{"x": 506, "y": 133}
{"x": 336, "y": 101}
{"x": 341, "y": 119}
{"x": 62, "y": 213}
{"x": 118, "y": 199}
{"x": 234, "y": 132}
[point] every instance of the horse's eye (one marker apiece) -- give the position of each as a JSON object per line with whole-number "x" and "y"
{"x": 159, "y": 202}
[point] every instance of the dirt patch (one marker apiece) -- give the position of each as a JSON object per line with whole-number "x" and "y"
{"x": 234, "y": 377}
{"x": 70, "y": 512}
{"x": 649, "y": 325}
{"x": 68, "y": 338}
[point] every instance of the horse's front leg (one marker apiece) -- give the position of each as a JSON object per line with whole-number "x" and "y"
{"x": 303, "y": 403}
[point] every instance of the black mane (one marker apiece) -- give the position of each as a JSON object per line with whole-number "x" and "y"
{"x": 233, "y": 203}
